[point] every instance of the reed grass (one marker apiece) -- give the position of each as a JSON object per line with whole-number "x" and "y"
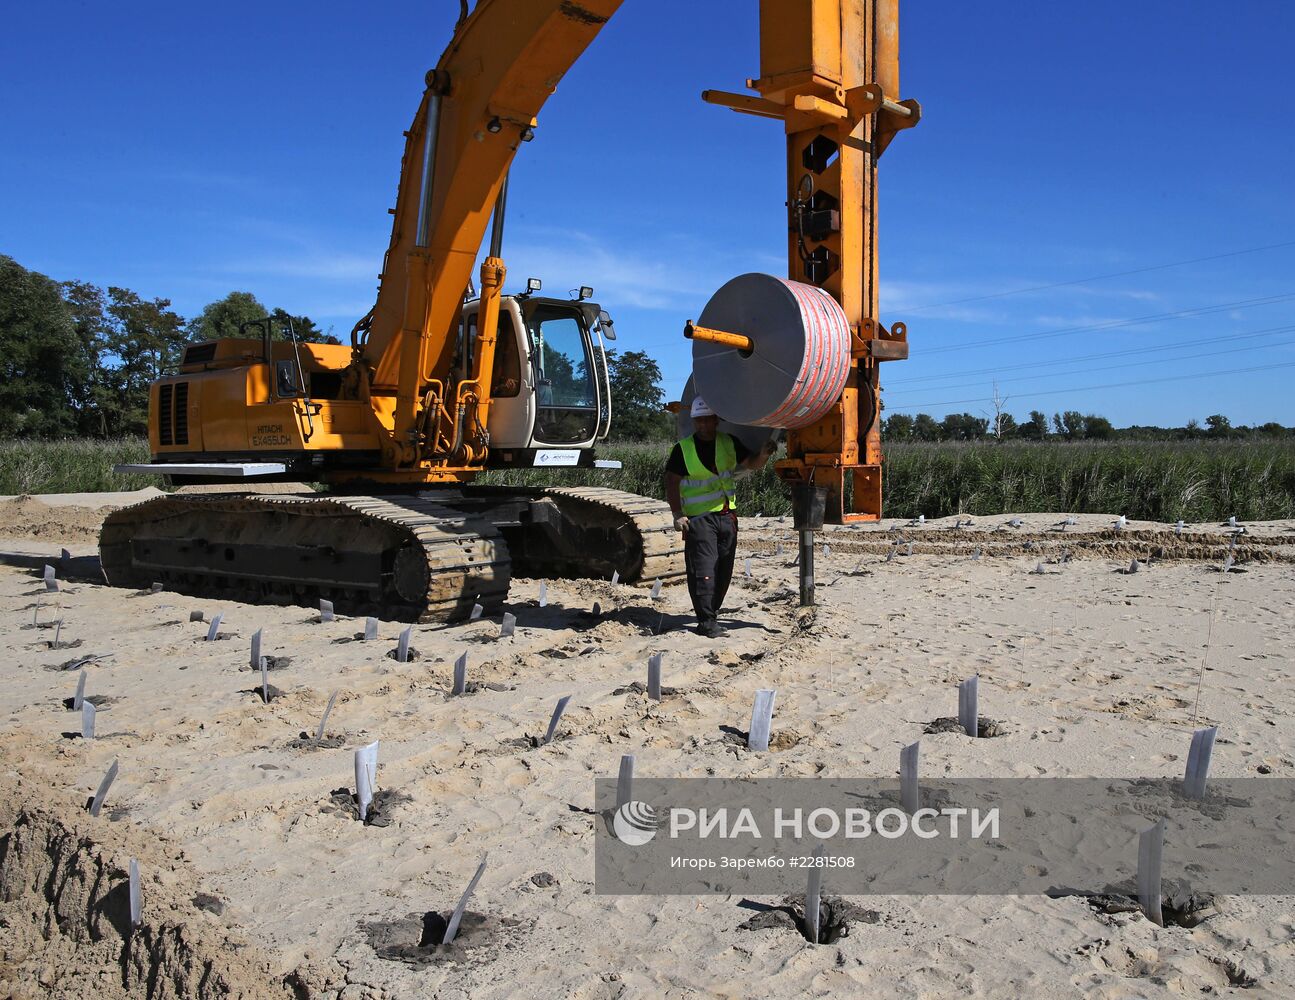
{"x": 1145, "y": 480}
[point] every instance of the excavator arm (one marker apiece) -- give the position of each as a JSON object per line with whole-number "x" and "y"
{"x": 480, "y": 104}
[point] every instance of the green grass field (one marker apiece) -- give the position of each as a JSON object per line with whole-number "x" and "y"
{"x": 1158, "y": 481}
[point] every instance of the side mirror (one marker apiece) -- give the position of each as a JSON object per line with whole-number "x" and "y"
{"x": 605, "y": 325}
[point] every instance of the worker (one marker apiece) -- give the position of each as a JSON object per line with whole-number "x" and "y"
{"x": 700, "y": 489}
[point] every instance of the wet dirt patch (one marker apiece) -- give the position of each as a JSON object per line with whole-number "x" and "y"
{"x": 208, "y": 902}
{"x": 307, "y": 741}
{"x": 783, "y": 739}
{"x": 61, "y": 644}
{"x": 1180, "y": 905}
{"x": 533, "y": 742}
{"x": 477, "y": 687}
{"x": 78, "y": 662}
{"x": 836, "y": 917}
{"x": 259, "y": 695}
{"x": 101, "y": 702}
{"x": 415, "y": 940}
{"x": 342, "y": 802}
{"x": 272, "y": 663}
{"x": 638, "y": 687}
{"x": 985, "y": 728}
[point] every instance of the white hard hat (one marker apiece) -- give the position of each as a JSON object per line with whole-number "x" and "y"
{"x": 700, "y": 409}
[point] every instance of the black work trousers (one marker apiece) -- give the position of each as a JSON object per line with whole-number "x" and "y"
{"x": 710, "y": 546}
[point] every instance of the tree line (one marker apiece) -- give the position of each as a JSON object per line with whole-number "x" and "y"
{"x": 1070, "y": 425}
{"x": 76, "y": 360}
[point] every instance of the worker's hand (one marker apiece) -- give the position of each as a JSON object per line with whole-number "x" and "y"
{"x": 681, "y": 524}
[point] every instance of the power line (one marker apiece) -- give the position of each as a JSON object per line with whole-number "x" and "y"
{"x": 1119, "y": 324}
{"x": 1108, "y": 385}
{"x": 1175, "y": 345}
{"x": 1103, "y": 368}
{"x": 1101, "y": 277}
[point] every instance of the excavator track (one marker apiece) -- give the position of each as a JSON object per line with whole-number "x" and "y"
{"x": 414, "y": 557}
{"x": 659, "y": 545}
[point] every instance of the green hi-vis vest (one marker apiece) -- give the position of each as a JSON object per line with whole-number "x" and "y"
{"x": 703, "y": 491}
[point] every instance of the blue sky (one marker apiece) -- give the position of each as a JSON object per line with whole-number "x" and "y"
{"x": 186, "y": 151}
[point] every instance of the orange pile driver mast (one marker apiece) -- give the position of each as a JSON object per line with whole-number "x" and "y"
{"x": 829, "y": 69}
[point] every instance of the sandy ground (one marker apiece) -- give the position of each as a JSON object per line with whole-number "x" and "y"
{"x": 1094, "y": 672}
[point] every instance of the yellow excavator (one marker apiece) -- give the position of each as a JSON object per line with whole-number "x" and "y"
{"x": 440, "y": 382}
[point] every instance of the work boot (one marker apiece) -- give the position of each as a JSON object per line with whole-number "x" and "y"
{"x": 712, "y": 630}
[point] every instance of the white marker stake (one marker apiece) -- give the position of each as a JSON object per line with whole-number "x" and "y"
{"x": 656, "y": 589}
{"x": 370, "y": 629}
{"x": 319, "y": 733}
{"x": 256, "y": 649}
{"x": 654, "y": 677}
{"x": 968, "y": 708}
{"x": 1198, "y": 762}
{"x": 761, "y": 719}
{"x": 1122, "y": 523}
{"x": 975, "y": 556}
{"x": 58, "y": 630}
{"x": 544, "y": 594}
{"x": 366, "y": 776}
{"x": 746, "y": 569}
{"x": 1038, "y": 570}
{"x": 891, "y": 554}
{"x": 402, "y": 647}
{"x": 1232, "y": 543}
{"x": 909, "y": 796}
{"x": 557, "y": 717}
{"x": 813, "y": 893}
{"x": 51, "y": 583}
{"x": 79, "y": 698}
{"x": 921, "y": 518}
{"x": 509, "y": 625}
{"x": 1151, "y": 845}
{"x": 910, "y": 549}
{"x": 827, "y": 551}
{"x": 1227, "y": 563}
{"x": 625, "y": 780}
{"x": 136, "y": 904}
{"x": 452, "y": 928}
{"x": 777, "y": 551}
{"x": 265, "y": 680}
{"x": 1232, "y": 522}
{"x": 104, "y": 785}
{"x": 460, "y": 675}
{"x": 325, "y": 610}
{"x": 87, "y": 720}
{"x": 1133, "y": 566}
{"x": 616, "y": 577}
{"x": 1178, "y": 528}
{"x": 476, "y": 612}
{"x": 213, "y": 630}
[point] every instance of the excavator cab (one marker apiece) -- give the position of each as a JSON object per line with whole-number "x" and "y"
{"x": 550, "y": 389}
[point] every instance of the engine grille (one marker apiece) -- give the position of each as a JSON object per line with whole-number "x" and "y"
{"x": 173, "y": 413}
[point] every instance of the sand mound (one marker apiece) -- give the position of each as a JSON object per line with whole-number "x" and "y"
{"x": 27, "y": 517}
{"x": 64, "y": 897}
